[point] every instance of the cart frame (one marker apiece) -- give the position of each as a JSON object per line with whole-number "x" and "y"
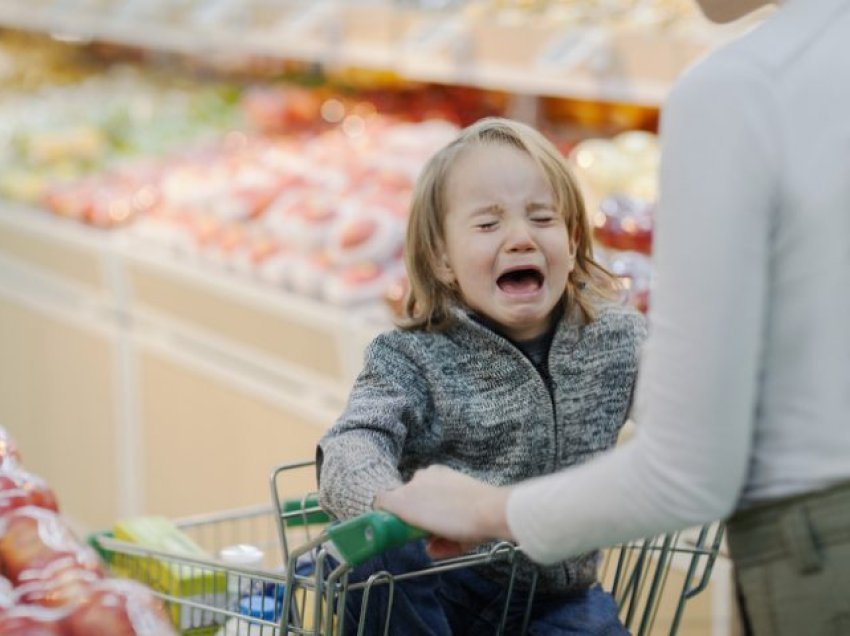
{"x": 310, "y": 601}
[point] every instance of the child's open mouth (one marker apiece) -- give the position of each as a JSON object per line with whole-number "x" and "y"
{"x": 521, "y": 281}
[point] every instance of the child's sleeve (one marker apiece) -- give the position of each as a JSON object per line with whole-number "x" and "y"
{"x": 639, "y": 333}
{"x": 359, "y": 456}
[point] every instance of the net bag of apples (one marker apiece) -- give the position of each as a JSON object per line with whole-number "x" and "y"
{"x": 51, "y": 584}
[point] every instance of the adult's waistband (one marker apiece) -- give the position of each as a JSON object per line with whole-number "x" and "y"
{"x": 797, "y": 526}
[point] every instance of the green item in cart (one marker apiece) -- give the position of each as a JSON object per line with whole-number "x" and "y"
{"x": 361, "y": 538}
{"x": 169, "y": 573}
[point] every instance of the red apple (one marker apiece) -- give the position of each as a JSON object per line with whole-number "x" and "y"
{"x": 12, "y": 496}
{"x": 19, "y": 488}
{"x": 120, "y": 608}
{"x": 61, "y": 583}
{"x": 41, "y": 494}
{"x": 31, "y": 538}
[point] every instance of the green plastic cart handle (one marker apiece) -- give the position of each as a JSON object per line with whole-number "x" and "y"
{"x": 361, "y": 538}
{"x": 293, "y": 506}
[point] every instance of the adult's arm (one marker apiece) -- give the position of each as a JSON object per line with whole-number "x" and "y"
{"x": 697, "y": 391}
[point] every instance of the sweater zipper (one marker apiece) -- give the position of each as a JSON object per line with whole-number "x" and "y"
{"x": 553, "y": 460}
{"x": 550, "y": 390}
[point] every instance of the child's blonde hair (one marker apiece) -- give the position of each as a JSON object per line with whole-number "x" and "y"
{"x": 429, "y": 301}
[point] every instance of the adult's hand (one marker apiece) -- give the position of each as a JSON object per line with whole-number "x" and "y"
{"x": 460, "y": 512}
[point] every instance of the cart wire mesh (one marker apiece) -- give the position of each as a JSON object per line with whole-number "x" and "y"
{"x": 652, "y": 580}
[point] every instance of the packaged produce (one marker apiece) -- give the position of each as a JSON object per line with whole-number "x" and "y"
{"x": 159, "y": 533}
{"x": 119, "y": 608}
{"x": 33, "y": 620}
{"x": 31, "y": 538}
{"x": 61, "y": 583}
{"x": 19, "y": 488}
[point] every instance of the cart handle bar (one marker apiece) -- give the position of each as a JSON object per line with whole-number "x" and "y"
{"x": 359, "y": 539}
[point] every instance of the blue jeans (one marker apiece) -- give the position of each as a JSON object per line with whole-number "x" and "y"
{"x": 465, "y": 602}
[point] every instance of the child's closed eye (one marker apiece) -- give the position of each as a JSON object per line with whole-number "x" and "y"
{"x": 543, "y": 219}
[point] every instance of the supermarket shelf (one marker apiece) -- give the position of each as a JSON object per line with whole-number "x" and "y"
{"x": 142, "y": 255}
{"x": 288, "y": 339}
{"x": 620, "y": 63}
{"x": 151, "y": 387}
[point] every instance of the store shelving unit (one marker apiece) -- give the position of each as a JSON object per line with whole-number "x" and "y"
{"x": 138, "y": 381}
{"x": 142, "y": 382}
{"x": 150, "y": 315}
{"x": 176, "y": 364}
{"x": 523, "y": 52}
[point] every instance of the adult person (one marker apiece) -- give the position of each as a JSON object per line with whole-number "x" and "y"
{"x": 743, "y": 397}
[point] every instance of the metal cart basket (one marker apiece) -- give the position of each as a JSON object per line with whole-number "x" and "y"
{"x": 300, "y": 589}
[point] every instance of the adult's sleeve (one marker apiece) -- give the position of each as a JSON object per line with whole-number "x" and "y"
{"x": 697, "y": 389}
{"x": 359, "y": 455}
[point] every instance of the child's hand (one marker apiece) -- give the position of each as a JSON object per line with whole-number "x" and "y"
{"x": 461, "y": 512}
{"x": 440, "y": 548}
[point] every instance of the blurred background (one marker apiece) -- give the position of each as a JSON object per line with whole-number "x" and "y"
{"x": 203, "y": 202}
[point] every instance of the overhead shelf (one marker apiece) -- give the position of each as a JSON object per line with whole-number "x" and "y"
{"x": 520, "y": 52}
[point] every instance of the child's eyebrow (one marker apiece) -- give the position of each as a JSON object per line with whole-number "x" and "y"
{"x": 492, "y": 208}
{"x": 540, "y": 205}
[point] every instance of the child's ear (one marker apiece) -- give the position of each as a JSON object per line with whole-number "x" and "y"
{"x": 574, "y": 239}
{"x": 443, "y": 270}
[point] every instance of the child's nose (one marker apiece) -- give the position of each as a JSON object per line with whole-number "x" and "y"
{"x": 519, "y": 238}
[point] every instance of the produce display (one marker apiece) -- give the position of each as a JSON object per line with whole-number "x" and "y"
{"x": 304, "y": 188}
{"x": 322, "y": 215}
{"x": 51, "y": 584}
{"x": 59, "y": 133}
{"x": 619, "y": 180}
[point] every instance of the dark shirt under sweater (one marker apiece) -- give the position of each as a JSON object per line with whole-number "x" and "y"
{"x": 536, "y": 349}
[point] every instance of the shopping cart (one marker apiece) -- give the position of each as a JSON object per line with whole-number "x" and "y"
{"x": 304, "y": 583}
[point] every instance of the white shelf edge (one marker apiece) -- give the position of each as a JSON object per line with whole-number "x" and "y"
{"x": 251, "y": 292}
{"x": 320, "y": 45}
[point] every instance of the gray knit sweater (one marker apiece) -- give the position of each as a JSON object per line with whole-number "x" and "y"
{"x": 469, "y": 399}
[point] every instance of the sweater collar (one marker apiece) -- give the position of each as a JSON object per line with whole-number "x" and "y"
{"x": 567, "y": 330}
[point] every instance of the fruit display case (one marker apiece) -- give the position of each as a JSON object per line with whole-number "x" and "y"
{"x": 150, "y": 319}
{"x": 624, "y": 51}
{"x": 150, "y": 343}
{"x": 149, "y": 366}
